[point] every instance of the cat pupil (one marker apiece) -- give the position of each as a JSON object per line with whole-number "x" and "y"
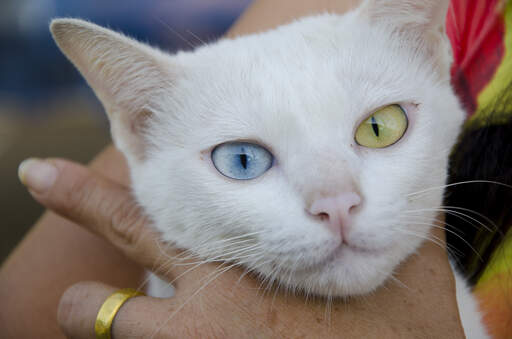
{"x": 243, "y": 160}
{"x": 375, "y": 127}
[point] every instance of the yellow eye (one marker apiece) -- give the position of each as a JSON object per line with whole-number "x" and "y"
{"x": 383, "y": 128}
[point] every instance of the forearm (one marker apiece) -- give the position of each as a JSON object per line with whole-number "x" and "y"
{"x": 266, "y": 14}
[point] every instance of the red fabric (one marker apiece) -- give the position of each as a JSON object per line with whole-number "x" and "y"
{"x": 476, "y": 31}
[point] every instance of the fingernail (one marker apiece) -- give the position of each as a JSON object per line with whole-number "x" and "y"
{"x": 37, "y": 174}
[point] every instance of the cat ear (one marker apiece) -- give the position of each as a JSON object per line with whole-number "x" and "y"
{"x": 124, "y": 74}
{"x": 425, "y": 19}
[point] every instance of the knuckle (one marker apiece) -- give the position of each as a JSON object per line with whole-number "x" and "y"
{"x": 109, "y": 210}
{"x": 126, "y": 222}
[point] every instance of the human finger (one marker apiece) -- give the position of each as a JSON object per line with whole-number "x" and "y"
{"x": 101, "y": 205}
{"x": 138, "y": 317}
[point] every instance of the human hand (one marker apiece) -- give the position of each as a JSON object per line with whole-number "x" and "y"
{"x": 423, "y": 304}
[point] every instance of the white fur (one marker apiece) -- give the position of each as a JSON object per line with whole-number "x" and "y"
{"x": 468, "y": 309}
{"x": 299, "y": 90}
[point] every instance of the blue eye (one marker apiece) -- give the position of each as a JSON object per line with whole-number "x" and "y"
{"x": 241, "y": 160}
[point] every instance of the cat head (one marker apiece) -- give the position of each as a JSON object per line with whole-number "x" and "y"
{"x": 312, "y": 154}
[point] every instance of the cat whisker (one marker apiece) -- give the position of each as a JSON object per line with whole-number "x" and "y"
{"x": 452, "y": 251}
{"x": 328, "y": 307}
{"x": 175, "y": 32}
{"x": 442, "y": 187}
{"x": 430, "y": 222}
{"x": 223, "y": 260}
{"x": 209, "y": 244}
{"x": 196, "y": 265}
{"x": 209, "y": 278}
{"x": 196, "y": 37}
{"x": 432, "y": 238}
{"x": 270, "y": 279}
{"x": 254, "y": 267}
{"x": 457, "y": 214}
{"x": 492, "y": 223}
{"x": 449, "y": 231}
{"x": 223, "y": 256}
{"x": 276, "y": 290}
{"x": 398, "y": 281}
{"x": 293, "y": 268}
{"x": 260, "y": 277}
{"x": 206, "y": 261}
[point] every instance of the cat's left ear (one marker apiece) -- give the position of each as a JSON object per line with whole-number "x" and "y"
{"x": 424, "y": 20}
{"x": 125, "y": 75}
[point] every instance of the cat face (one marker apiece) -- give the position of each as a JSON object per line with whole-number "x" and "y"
{"x": 308, "y": 205}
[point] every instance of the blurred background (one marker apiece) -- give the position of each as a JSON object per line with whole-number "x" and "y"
{"x": 46, "y": 109}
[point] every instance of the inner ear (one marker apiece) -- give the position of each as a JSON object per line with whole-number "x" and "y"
{"x": 127, "y": 76}
{"x": 139, "y": 123}
{"x": 413, "y": 15}
{"x": 422, "y": 23}
{"x": 131, "y": 133}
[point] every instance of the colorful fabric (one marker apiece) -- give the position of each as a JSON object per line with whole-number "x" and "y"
{"x": 481, "y": 35}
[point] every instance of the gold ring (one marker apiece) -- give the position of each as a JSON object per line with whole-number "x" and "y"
{"x": 108, "y": 311}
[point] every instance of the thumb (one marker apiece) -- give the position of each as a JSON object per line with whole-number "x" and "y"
{"x": 138, "y": 317}
{"x": 97, "y": 203}
{"x": 79, "y": 194}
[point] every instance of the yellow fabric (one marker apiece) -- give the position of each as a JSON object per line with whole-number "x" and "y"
{"x": 500, "y": 80}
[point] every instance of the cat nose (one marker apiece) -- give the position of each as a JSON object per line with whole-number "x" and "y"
{"x": 336, "y": 211}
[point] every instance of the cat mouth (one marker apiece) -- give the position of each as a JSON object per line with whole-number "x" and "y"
{"x": 341, "y": 253}
{"x": 359, "y": 249}
{"x": 345, "y": 250}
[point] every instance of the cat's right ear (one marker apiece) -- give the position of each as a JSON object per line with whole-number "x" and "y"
{"x": 421, "y": 19}
{"x": 125, "y": 75}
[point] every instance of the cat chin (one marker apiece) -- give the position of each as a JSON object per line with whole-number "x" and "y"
{"x": 351, "y": 272}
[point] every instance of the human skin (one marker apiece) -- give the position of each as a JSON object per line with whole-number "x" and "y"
{"x": 57, "y": 254}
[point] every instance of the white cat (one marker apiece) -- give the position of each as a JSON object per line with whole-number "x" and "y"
{"x": 296, "y": 152}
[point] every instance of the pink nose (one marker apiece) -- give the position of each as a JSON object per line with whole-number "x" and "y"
{"x": 336, "y": 210}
